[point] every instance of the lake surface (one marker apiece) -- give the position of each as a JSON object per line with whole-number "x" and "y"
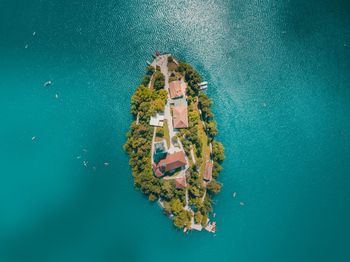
{"x": 279, "y": 73}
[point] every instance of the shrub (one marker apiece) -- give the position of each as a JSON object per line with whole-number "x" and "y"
{"x": 150, "y": 70}
{"x": 159, "y": 81}
{"x": 214, "y": 187}
{"x": 146, "y": 80}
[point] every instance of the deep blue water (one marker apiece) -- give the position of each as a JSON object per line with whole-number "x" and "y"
{"x": 279, "y": 74}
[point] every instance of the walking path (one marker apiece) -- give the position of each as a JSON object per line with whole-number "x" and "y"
{"x": 152, "y": 148}
{"x": 176, "y": 145}
{"x": 163, "y": 63}
{"x": 192, "y": 155}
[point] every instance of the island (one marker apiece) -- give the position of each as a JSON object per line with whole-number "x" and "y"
{"x": 174, "y": 156}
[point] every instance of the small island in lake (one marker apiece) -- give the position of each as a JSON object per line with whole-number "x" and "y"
{"x": 174, "y": 156}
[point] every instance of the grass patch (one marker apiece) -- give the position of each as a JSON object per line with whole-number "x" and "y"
{"x": 166, "y": 132}
{"x": 152, "y": 82}
{"x": 205, "y": 148}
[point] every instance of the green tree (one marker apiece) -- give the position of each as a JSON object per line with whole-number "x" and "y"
{"x": 214, "y": 187}
{"x": 211, "y": 129}
{"x": 150, "y": 70}
{"x": 167, "y": 191}
{"x": 146, "y": 80}
{"x": 159, "y": 81}
{"x": 176, "y": 206}
{"x": 218, "y": 151}
{"x": 183, "y": 219}
{"x": 198, "y": 217}
{"x": 160, "y": 132}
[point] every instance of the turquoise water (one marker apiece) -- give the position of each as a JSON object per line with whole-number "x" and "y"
{"x": 279, "y": 76}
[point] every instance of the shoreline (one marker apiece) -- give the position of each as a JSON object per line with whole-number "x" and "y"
{"x": 183, "y": 167}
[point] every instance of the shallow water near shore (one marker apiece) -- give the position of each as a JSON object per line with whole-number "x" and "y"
{"x": 279, "y": 78}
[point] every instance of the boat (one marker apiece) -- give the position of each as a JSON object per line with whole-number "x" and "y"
{"x": 26, "y": 46}
{"x": 241, "y": 203}
{"x": 34, "y": 33}
{"x": 56, "y": 96}
{"x": 106, "y": 164}
{"x": 234, "y": 194}
{"x": 48, "y": 83}
{"x": 33, "y": 138}
{"x": 148, "y": 62}
{"x": 203, "y": 87}
{"x": 203, "y": 83}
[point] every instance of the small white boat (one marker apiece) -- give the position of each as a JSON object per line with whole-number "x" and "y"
{"x": 26, "y": 46}
{"x": 33, "y": 138}
{"x": 241, "y": 203}
{"x": 203, "y": 83}
{"x": 48, "y": 83}
{"x": 234, "y": 194}
{"x": 106, "y": 163}
{"x": 85, "y": 163}
{"x": 56, "y": 96}
{"x": 34, "y": 33}
{"x": 78, "y": 157}
{"x": 203, "y": 87}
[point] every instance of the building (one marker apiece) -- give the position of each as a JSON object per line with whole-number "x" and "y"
{"x": 208, "y": 171}
{"x": 180, "y": 118}
{"x": 171, "y": 163}
{"x": 157, "y": 120}
{"x": 179, "y": 101}
{"x": 176, "y": 89}
{"x": 160, "y": 151}
{"x": 180, "y": 182}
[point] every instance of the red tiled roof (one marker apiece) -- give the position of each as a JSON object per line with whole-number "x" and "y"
{"x": 158, "y": 173}
{"x": 208, "y": 171}
{"x": 180, "y": 118}
{"x": 180, "y": 182}
{"x": 172, "y": 161}
{"x": 175, "y": 89}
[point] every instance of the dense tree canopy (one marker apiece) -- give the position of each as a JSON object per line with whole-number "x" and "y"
{"x": 192, "y": 78}
{"x": 159, "y": 81}
{"x": 214, "y": 187}
{"x": 146, "y": 102}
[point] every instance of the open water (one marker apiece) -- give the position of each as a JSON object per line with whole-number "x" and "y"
{"x": 279, "y": 74}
